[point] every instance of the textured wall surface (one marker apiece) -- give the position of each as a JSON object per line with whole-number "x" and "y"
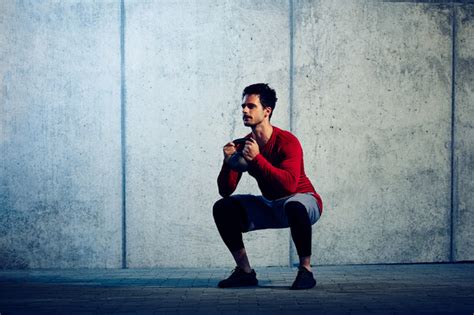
{"x": 59, "y": 134}
{"x": 186, "y": 67}
{"x": 464, "y": 135}
{"x": 373, "y": 108}
{"x": 365, "y": 85}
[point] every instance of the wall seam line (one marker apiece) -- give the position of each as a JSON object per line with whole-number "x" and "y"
{"x": 291, "y": 105}
{"x": 123, "y": 142}
{"x": 453, "y": 130}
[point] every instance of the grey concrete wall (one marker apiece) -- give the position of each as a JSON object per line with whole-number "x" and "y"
{"x": 464, "y": 135}
{"x": 187, "y": 63}
{"x": 59, "y": 134}
{"x": 373, "y": 110}
{"x": 365, "y": 85}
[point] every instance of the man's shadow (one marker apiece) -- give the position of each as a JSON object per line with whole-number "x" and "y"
{"x": 156, "y": 282}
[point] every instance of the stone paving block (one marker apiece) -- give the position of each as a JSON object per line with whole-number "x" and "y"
{"x": 354, "y": 292}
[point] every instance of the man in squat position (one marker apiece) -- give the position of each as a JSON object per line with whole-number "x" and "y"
{"x": 275, "y": 159}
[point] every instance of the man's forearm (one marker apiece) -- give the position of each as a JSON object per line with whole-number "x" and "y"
{"x": 227, "y": 180}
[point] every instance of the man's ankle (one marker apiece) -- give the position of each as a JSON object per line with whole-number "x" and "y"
{"x": 305, "y": 262}
{"x": 246, "y": 269}
{"x": 241, "y": 259}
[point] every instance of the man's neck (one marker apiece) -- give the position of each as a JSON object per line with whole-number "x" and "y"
{"x": 262, "y": 133}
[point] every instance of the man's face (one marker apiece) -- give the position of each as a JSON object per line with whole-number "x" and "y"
{"x": 253, "y": 112}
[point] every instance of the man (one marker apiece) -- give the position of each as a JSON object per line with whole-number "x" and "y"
{"x": 275, "y": 160}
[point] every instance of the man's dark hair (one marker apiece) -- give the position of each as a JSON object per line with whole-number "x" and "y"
{"x": 266, "y": 94}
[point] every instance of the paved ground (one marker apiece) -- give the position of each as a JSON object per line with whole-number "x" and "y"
{"x": 383, "y": 289}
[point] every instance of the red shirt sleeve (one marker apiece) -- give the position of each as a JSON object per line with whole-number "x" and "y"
{"x": 284, "y": 178}
{"x": 227, "y": 180}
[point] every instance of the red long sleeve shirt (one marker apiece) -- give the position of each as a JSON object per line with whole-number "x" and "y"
{"x": 278, "y": 169}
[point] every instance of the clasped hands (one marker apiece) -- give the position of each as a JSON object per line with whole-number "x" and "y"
{"x": 249, "y": 152}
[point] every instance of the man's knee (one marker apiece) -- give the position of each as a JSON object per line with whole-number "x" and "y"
{"x": 296, "y": 211}
{"x": 228, "y": 211}
{"x": 294, "y": 206}
{"x": 222, "y": 206}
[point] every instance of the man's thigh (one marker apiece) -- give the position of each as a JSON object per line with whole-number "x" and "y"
{"x": 270, "y": 214}
{"x": 308, "y": 201}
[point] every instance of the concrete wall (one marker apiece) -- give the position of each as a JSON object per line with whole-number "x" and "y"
{"x": 366, "y": 86}
{"x": 373, "y": 106}
{"x": 186, "y": 66}
{"x": 464, "y": 135}
{"x": 60, "y": 134}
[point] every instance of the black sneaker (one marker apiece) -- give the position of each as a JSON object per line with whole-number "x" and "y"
{"x": 304, "y": 280}
{"x": 239, "y": 278}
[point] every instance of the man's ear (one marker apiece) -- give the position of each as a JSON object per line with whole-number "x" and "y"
{"x": 268, "y": 110}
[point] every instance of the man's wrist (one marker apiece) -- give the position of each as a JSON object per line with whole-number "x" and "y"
{"x": 255, "y": 158}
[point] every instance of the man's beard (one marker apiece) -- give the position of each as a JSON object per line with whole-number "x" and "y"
{"x": 251, "y": 122}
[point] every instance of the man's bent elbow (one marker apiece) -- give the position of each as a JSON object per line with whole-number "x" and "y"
{"x": 225, "y": 192}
